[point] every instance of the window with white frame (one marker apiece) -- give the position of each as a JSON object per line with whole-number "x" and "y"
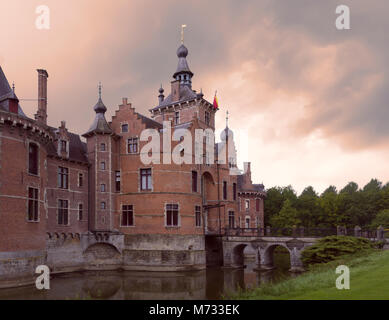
{"x": 127, "y": 215}
{"x": 247, "y": 204}
{"x": 124, "y": 127}
{"x": 132, "y": 145}
{"x": 172, "y": 215}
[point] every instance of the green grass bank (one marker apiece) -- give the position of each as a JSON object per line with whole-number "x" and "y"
{"x": 369, "y": 279}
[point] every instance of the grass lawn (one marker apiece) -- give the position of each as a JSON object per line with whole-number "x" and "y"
{"x": 369, "y": 279}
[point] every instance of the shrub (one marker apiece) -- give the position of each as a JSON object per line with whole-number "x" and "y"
{"x": 330, "y": 248}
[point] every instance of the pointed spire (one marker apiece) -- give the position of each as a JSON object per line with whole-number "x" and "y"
{"x": 183, "y": 73}
{"x": 100, "y": 124}
{"x": 100, "y": 107}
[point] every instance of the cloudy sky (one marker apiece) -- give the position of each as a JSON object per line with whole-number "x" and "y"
{"x": 313, "y": 98}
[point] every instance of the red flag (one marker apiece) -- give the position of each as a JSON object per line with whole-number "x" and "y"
{"x": 215, "y": 103}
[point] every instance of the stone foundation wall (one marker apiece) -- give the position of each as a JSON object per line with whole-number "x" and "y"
{"x": 69, "y": 253}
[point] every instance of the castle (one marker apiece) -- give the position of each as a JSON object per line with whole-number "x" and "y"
{"x": 90, "y": 203}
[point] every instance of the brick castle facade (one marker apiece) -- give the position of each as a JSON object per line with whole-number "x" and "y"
{"x": 88, "y": 202}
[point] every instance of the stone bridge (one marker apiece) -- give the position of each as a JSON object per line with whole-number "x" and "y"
{"x": 233, "y": 248}
{"x": 264, "y": 241}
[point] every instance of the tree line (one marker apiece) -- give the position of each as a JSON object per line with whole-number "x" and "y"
{"x": 367, "y": 207}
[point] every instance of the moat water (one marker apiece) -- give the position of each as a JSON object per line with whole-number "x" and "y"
{"x": 212, "y": 283}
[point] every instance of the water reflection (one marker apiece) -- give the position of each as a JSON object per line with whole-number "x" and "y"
{"x": 212, "y": 283}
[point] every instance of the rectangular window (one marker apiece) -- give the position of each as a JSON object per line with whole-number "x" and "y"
{"x": 127, "y": 215}
{"x": 207, "y": 118}
{"x": 257, "y": 203}
{"x": 198, "y": 216}
{"x": 102, "y": 206}
{"x": 194, "y": 181}
{"x": 80, "y": 209}
{"x": 63, "y": 146}
{"x": 33, "y": 204}
{"x": 33, "y": 158}
{"x": 125, "y": 127}
{"x": 102, "y": 165}
{"x": 102, "y": 187}
{"x": 176, "y": 117}
{"x": 132, "y": 145}
{"x": 102, "y": 147}
{"x": 117, "y": 181}
{"x": 231, "y": 219}
{"x": 63, "y": 178}
{"x": 80, "y": 179}
{"x": 63, "y": 212}
{"x": 234, "y": 190}
{"x": 247, "y": 226}
{"x": 145, "y": 179}
{"x": 224, "y": 190}
{"x": 172, "y": 215}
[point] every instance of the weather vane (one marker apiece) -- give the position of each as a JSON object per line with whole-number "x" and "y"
{"x": 182, "y": 33}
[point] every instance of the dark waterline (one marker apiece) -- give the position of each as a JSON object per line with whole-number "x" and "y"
{"x": 213, "y": 283}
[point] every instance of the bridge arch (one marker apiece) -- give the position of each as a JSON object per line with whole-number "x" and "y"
{"x": 266, "y": 255}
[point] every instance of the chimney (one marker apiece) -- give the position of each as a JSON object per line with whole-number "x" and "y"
{"x": 175, "y": 90}
{"x": 247, "y": 173}
{"x": 41, "y": 115}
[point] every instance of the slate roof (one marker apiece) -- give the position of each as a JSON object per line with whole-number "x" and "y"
{"x": 100, "y": 124}
{"x": 182, "y": 53}
{"x": 150, "y": 123}
{"x": 186, "y": 94}
{"x": 7, "y": 93}
{"x": 77, "y": 148}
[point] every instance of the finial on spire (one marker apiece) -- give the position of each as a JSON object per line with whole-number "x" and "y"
{"x": 13, "y": 87}
{"x": 100, "y": 90}
{"x": 183, "y": 26}
{"x": 227, "y": 113}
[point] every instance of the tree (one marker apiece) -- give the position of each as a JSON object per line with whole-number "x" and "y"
{"x": 287, "y": 217}
{"x": 308, "y": 207}
{"x": 381, "y": 219}
{"x": 328, "y": 208}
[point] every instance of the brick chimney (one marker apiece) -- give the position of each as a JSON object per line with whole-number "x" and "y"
{"x": 175, "y": 90}
{"x": 41, "y": 115}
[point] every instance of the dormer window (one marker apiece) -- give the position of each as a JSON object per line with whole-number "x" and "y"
{"x": 63, "y": 146}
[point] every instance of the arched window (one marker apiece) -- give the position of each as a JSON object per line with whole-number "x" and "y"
{"x": 33, "y": 158}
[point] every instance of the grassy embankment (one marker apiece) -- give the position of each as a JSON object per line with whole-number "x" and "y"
{"x": 369, "y": 279}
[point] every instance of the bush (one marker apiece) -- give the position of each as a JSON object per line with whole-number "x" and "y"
{"x": 330, "y": 248}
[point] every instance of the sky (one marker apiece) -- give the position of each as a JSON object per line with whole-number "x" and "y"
{"x": 312, "y": 98}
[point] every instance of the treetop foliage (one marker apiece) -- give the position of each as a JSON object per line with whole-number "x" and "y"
{"x": 367, "y": 207}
